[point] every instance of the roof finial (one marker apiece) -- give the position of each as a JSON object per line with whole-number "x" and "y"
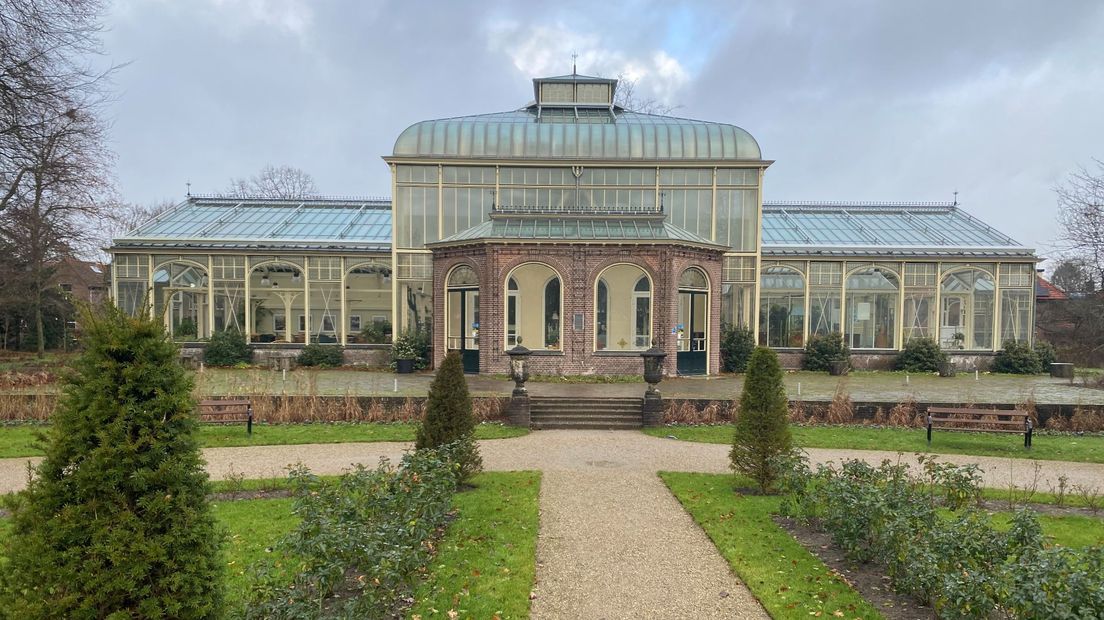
{"x": 574, "y": 57}
{"x": 189, "y": 186}
{"x": 955, "y": 198}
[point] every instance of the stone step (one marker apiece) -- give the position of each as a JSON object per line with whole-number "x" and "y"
{"x": 610, "y": 426}
{"x": 584, "y": 409}
{"x": 586, "y": 417}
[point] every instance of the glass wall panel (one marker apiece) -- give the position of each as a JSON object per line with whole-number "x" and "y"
{"x": 415, "y": 306}
{"x": 871, "y": 311}
{"x": 463, "y": 208}
{"x": 180, "y": 297}
{"x": 368, "y": 302}
{"x": 533, "y": 307}
{"x": 919, "y": 319}
{"x": 824, "y": 312}
{"x": 736, "y": 302}
{"x": 276, "y": 290}
{"x": 415, "y": 216}
{"x": 131, "y": 296}
{"x": 1016, "y": 321}
{"x": 781, "y": 307}
{"x": 623, "y": 309}
{"x": 737, "y": 222}
{"x": 690, "y": 209}
{"x": 967, "y": 310}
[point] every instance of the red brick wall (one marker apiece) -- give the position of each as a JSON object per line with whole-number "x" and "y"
{"x": 578, "y": 266}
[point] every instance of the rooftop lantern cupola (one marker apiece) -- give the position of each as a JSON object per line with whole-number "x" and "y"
{"x": 574, "y": 92}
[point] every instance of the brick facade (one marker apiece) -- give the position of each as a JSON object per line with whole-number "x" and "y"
{"x": 578, "y": 266}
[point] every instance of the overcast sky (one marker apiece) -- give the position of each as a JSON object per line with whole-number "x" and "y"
{"x": 860, "y": 100}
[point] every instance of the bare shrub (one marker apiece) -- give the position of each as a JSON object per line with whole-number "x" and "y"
{"x": 842, "y": 409}
{"x": 1027, "y": 405}
{"x": 879, "y": 416}
{"x": 1089, "y": 496}
{"x": 903, "y": 413}
{"x": 797, "y": 412}
{"x": 1057, "y": 422}
{"x": 489, "y": 409}
{"x": 1086, "y": 421}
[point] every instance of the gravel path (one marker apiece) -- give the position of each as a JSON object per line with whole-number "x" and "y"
{"x": 613, "y": 542}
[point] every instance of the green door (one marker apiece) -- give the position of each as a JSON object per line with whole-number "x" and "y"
{"x": 693, "y": 332}
{"x": 463, "y": 326}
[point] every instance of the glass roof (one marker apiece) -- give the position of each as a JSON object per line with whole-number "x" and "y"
{"x": 577, "y": 229}
{"x": 926, "y": 228}
{"x": 223, "y": 222}
{"x": 576, "y": 133}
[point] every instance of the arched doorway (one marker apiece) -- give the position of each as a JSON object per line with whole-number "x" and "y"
{"x": 462, "y": 315}
{"x": 693, "y": 322}
{"x": 534, "y": 309}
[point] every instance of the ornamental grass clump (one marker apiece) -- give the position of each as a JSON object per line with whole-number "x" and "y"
{"x": 448, "y": 417}
{"x": 762, "y": 425}
{"x": 115, "y": 523}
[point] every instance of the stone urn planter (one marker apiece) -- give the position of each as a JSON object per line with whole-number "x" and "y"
{"x": 838, "y": 368}
{"x": 946, "y": 369}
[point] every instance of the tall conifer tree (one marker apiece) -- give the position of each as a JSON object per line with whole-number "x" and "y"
{"x": 448, "y": 417}
{"x": 762, "y": 425}
{"x": 115, "y": 522}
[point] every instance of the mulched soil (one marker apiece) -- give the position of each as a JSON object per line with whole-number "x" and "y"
{"x": 1044, "y": 509}
{"x": 867, "y": 579}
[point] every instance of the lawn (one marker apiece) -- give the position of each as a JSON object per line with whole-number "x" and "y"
{"x": 486, "y": 561}
{"x": 19, "y": 439}
{"x": 789, "y": 581}
{"x": 1083, "y": 449}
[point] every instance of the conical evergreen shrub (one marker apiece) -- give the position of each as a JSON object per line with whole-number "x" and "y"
{"x": 762, "y": 425}
{"x": 115, "y": 522}
{"x": 448, "y": 416}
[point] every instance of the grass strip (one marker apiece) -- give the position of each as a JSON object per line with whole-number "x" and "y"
{"x": 1081, "y": 449}
{"x": 486, "y": 563}
{"x": 252, "y": 527}
{"x": 789, "y": 581}
{"x": 19, "y": 440}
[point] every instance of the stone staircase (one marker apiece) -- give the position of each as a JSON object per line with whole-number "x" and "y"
{"x": 584, "y": 413}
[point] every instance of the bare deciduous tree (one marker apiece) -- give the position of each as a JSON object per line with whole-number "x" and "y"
{"x": 54, "y": 166}
{"x": 627, "y": 97}
{"x": 1081, "y": 215}
{"x": 45, "y": 77}
{"x": 274, "y": 182}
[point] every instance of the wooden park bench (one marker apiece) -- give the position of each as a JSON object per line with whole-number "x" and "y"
{"x": 980, "y": 420}
{"x": 227, "y": 412}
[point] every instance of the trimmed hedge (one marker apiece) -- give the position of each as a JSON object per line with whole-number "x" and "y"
{"x": 321, "y": 355}
{"x": 737, "y": 344}
{"x": 227, "y": 348}
{"x": 921, "y": 355}
{"x": 822, "y": 350}
{"x": 1017, "y": 358}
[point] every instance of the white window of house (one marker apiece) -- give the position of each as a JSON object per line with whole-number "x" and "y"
{"x": 354, "y": 322}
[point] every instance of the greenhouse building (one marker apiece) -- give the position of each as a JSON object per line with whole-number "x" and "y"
{"x": 587, "y": 233}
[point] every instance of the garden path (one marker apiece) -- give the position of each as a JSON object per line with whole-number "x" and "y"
{"x": 613, "y": 541}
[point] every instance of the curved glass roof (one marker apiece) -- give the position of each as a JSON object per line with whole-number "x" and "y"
{"x": 577, "y": 133}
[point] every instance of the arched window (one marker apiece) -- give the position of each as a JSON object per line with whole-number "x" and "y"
{"x": 693, "y": 278}
{"x": 533, "y": 307}
{"x": 966, "y": 310}
{"x": 552, "y": 314}
{"x": 462, "y": 313}
{"x": 871, "y": 315}
{"x": 782, "y": 307}
{"x": 622, "y": 309}
{"x": 463, "y": 276}
{"x": 511, "y": 312}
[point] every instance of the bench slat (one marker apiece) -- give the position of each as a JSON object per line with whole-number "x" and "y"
{"x": 961, "y": 421}
{"x": 1016, "y": 413}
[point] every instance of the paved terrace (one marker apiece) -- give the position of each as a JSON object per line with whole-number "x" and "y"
{"x": 813, "y": 386}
